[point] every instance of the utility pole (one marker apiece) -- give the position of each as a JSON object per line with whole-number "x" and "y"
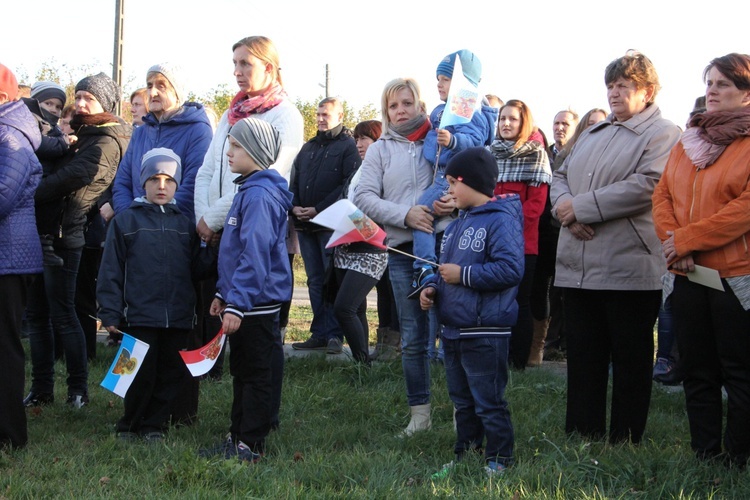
{"x": 117, "y": 57}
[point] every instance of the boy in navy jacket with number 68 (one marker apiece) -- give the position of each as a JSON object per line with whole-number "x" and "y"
{"x": 481, "y": 264}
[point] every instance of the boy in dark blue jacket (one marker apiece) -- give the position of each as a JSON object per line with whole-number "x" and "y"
{"x": 254, "y": 280}
{"x": 481, "y": 264}
{"x": 151, "y": 256}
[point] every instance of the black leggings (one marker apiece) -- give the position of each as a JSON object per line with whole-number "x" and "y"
{"x": 350, "y": 309}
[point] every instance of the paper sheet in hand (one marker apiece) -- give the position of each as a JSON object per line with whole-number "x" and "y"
{"x": 707, "y": 277}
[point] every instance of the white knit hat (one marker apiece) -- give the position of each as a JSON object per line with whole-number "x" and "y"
{"x": 173, "y": 74}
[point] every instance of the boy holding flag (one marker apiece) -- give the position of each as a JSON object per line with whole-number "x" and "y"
{"x": 254, "y": 280}
{"x": 481, "y": 265}
{"x": 146, "y": 283}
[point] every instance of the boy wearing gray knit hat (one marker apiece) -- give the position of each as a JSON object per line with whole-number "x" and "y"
{"x": 259, "y": 139}
{"x": 161, "y": 161}
{"x": 150, "y": 254}
{"x": 254, "y": 280}
{"x": 50, "y": 96}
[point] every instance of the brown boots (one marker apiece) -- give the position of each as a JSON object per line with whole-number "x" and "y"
{"x": 537, "y": 343}
{"x": 388, "y": 345}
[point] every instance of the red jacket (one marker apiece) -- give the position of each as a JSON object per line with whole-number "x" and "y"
{"x": 533, "y": 200}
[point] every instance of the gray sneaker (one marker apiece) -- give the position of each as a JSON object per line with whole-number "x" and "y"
{"x": 334, "y": 346}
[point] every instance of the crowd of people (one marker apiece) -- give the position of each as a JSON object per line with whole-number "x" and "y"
{"x": 501, "y": 245}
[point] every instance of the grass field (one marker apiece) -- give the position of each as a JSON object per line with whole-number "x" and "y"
{"x": 337, "y": 440}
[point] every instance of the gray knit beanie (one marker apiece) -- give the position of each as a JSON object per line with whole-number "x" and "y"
{"x": 41, "y": 91}
{"x": 161, "y": 161}
{"x": 173, "y": 74}
{"x": 259, "y": 138}
{"x": 103, "y": 88}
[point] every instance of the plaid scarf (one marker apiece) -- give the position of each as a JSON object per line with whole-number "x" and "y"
{"x": 528, "y": 163}
{"x": 710, "y": 133}
{"x": 244, "y": 105}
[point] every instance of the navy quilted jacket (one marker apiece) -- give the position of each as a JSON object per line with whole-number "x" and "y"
{"x": 20, "y": 173}
{"x": 487, "y": 242}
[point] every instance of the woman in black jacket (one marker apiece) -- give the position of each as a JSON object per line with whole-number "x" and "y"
{"x": 84, "y": 175}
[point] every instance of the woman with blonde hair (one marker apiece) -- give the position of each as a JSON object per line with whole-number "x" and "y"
{"x": 394, "y": 175}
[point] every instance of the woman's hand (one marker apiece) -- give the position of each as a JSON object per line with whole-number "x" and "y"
{"x": 205, "y": 232}
{"x": 112, "y": 329}
{"x": 451, "y": 273}
{"x": 668, "y": 249}
{"x": 419, "y": 217}
{"x": 581, "y": 231}
{"x": 444, "y": 206}
{"x": 106, "y": 212}
{"x": 565, "y": 213}
{"x": 685, "y": 264}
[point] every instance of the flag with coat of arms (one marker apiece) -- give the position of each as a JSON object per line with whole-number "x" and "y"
{"x": 463, "y": 99}
{"x": 349, "y": 225}
{"x": 124, "y": 368}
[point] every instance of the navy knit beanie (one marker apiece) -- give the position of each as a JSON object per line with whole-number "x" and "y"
{"x": 475, "y": 167}
{"x": 472, "y": 67}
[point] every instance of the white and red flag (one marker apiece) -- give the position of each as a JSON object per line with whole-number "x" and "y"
{"x": 200, "y": 361}
{"x": 349, "y": 225}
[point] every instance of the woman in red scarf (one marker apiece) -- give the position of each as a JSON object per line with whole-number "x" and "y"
{"x": 701, "y": 212}
{"x": 394, "y": 175}
{"x": 261, "y": 95}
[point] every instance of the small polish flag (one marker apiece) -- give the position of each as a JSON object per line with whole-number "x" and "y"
{"x": 128, "y": 361}
{"x": 349, "y": 225}
{"x": 200, "y": 361}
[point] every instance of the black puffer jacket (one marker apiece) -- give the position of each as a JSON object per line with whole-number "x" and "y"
{"x": 320, "y": 170}
{"x": 85, "y": 173}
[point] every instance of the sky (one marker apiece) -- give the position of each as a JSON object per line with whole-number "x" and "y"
{"x": 549, "y": 54}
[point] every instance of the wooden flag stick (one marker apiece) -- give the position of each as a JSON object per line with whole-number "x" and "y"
{"x": 412, "y": 256}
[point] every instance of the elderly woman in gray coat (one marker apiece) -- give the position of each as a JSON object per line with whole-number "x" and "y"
{"x": 609, "y": 261}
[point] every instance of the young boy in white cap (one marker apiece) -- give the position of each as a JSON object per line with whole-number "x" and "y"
{"x": 474, "y": 291}
{"x": 254, "y": 280}
{"x": 145, "y": 287}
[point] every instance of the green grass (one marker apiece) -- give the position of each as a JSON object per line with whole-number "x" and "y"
{"x": 336, "y": 440}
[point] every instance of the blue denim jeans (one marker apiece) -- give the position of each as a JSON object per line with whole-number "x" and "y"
{"x": 435, "y": 345}
{"x": 317, "y": 259}
{"x": 413, "y": 323}
{"x": 424, "y": 243}
{"x": 52, "y": 305}
{"x": 476, "y": 371}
